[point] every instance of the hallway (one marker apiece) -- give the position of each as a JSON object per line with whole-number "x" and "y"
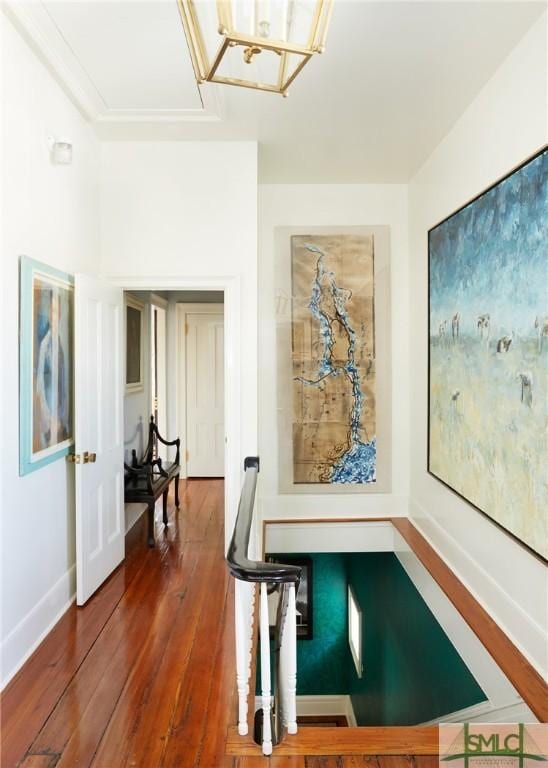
{"x": 143, "y": 675}
{"x": 126, "y": 680}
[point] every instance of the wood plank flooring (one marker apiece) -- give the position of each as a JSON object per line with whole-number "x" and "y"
{"x": 143, "y": 675}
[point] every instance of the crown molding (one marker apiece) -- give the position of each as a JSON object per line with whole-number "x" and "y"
{"x": 38, "y": 28}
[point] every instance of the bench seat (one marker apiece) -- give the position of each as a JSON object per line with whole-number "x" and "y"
{"x": 146, "y": 480}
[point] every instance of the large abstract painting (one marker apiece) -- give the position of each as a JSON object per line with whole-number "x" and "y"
{"x": 46, "y": 375}
{"x": 488, "y": 335}
{"x": 333, "y": 359}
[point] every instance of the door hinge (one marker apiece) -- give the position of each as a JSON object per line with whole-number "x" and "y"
{"x": 187, "y": 454}
{"x": 186, "y": 329}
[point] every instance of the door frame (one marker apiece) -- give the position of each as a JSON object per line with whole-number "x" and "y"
{"x": 156, "y": 302}
{"x": 230, "y": 285}
{"x": 184, "y": 309}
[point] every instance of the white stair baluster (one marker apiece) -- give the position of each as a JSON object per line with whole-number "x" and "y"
{"x": 241, "y": 594}
{"x": 280, "y": 680}
{"x": 266, "y": 685}
{"x": 282, "y": 661}
{"x": 251, "y": 616}
{"x": 290, "y": 662}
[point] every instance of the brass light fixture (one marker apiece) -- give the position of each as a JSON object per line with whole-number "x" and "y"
{"x": 261, "y": 44}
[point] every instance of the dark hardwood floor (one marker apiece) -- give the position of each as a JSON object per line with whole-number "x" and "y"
{"x": 143, "y": 675}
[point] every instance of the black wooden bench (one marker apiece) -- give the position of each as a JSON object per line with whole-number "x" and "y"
{"x": 148, "y": 478}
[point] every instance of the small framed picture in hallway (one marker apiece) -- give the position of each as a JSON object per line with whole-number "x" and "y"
{"x": 135, "y": 334}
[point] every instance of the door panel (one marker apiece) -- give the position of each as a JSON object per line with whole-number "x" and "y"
{"x": 205, "y": 394}
{"x": 98, "y": 430}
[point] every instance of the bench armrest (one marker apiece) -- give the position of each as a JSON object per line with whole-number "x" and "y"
{"x": 176, "y": 442}
{"x": 141, "y": 471}
{"x": 161, "y": 470}
{"x": 165, "y": 442}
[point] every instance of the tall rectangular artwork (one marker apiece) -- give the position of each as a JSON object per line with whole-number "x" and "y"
{"x": 46, "y": 375}
{"x": 488, "y": 342}
{"x": 333, "y": 359}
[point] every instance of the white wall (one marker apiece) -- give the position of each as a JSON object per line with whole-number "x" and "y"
{"x": 187, "y": 212}
{"x": 332, "y": 205}
{"x": 505, "y": 124}
{"x": 50, "y": 213}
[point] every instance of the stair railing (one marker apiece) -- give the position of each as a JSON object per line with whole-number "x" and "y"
{"x": 278, "y": 711}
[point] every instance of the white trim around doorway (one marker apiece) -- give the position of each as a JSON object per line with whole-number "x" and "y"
{"x": 230, "y": 285}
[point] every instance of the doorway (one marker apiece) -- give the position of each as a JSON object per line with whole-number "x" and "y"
{"x": 206, "y": 290}
{"x": 92, "y": 332}
{"x": 201, "y": 388}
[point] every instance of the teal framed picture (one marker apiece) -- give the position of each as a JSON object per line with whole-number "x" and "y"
{"x": 46, "y": 322}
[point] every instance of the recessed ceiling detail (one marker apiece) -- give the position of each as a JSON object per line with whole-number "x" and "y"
{"x": 124, "y": 60}
{"x": 394, "y": 79}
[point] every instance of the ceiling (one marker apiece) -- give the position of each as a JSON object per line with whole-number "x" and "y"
{"x": 394, "y": 78}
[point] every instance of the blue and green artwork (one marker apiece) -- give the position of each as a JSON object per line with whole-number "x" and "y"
{"x": 333, "y": 359}
{"x": 46, "y": 320}
{"x": 488, "y": 340}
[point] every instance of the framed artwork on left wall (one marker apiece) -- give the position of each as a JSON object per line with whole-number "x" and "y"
{"x": 45, "y": 364}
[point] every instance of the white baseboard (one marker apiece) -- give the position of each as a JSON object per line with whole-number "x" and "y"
{"x": 485, "y": 712}
{"x": 23, "y": 640}
{"x": 330, "y": 704}
{"x": 321, "y": 706}
{"x": 327, "y": 705}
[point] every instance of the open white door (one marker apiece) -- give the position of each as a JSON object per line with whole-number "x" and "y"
{"x": 98, "y": 432}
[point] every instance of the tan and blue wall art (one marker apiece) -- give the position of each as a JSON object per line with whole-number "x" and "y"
{"x": 45, "y": 365}
{"x": 488, "y": 352}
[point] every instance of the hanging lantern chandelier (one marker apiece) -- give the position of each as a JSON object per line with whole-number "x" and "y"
{"x": 261, "y": 44}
